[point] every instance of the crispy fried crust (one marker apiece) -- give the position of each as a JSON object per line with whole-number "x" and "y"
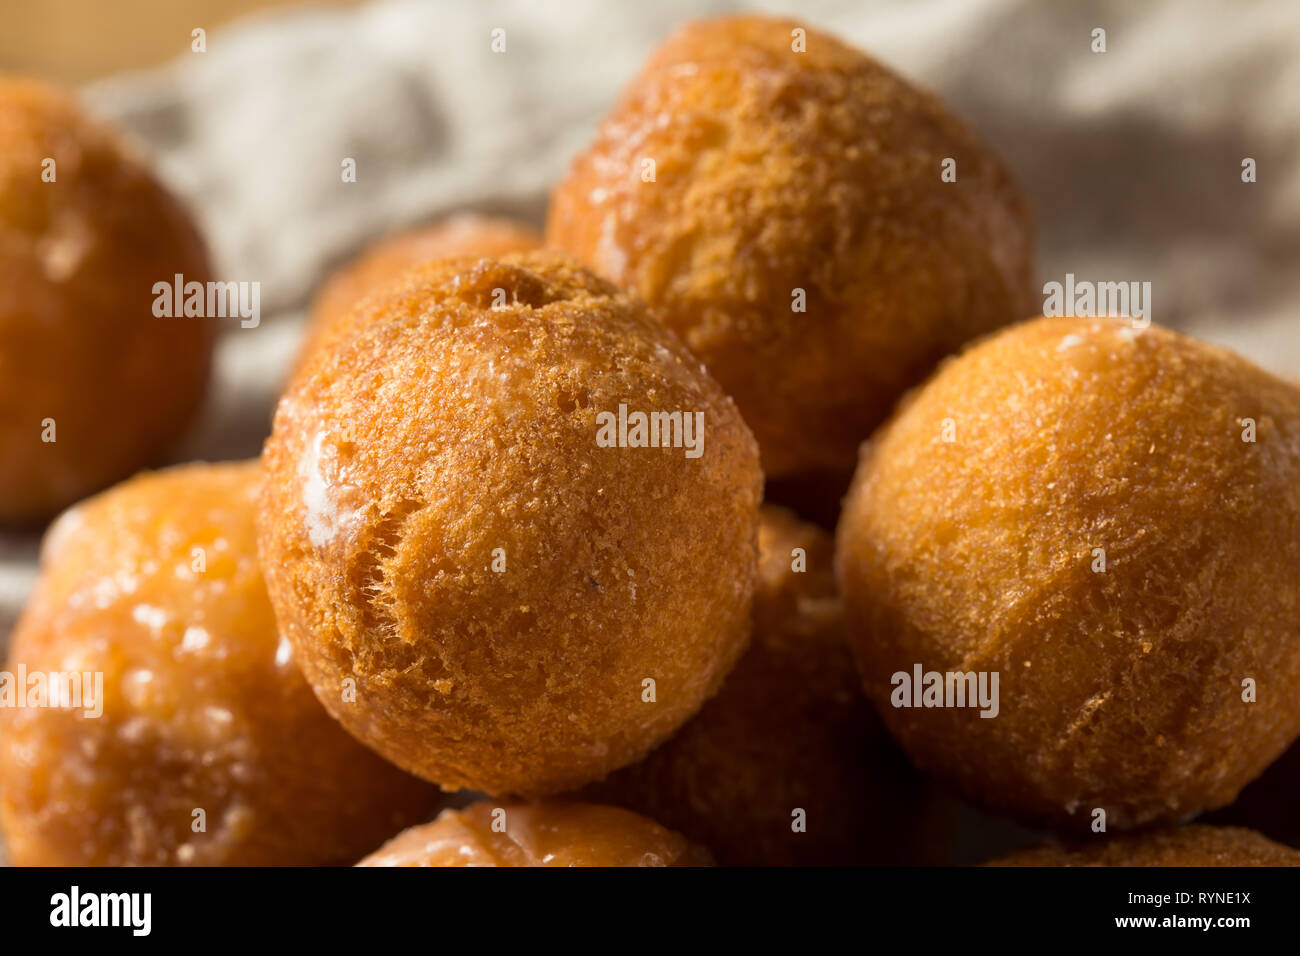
{"x": 1120, "y": 689}
{"x": 819, "y": 171}
{"x": 447, "y": 437}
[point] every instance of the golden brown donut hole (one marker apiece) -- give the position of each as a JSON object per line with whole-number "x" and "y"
{"x": 784, "y": 211}
{"x": 1071, "y": 505}
{"x": 210, "y": 749}
{"x": 474, "y": 586}
{"x": 93, "y": 385}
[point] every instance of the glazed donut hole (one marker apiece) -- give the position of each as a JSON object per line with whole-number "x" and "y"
{"x": 540, "y": 834}
{"x": 198, "y": 742}
{"x": 1102, "y": 520}
{"x": 781, "y": 207}
{"x": 85, "y": 233}
{"x": 477, "y": 583}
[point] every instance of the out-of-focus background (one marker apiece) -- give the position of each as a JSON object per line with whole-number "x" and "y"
{"x": 1133, "y": 156}
{"x": 76, "y": 41}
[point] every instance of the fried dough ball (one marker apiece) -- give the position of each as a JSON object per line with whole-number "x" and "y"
{"x": 465, "y": 234}
{"x": 795, "y": 229}
{"x": 155, "y": 584}
{"x": 476, "y": 584}
{"x": 1184, "y": 846}
{"x": 542, "y": 834}
{"x": 1071, "y": 505}
{"x": 93, "y": 385}
{"x": 790, "y": 731}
